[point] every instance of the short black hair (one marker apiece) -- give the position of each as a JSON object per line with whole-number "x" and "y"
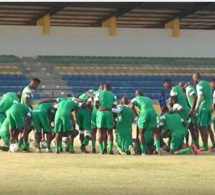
{"x": 167, "y": 80}
{"x": 36, "y": 80}
{"x": 174, "y": 98}
{"x": 107, "y": 86}
{"x": 212, "y": 80}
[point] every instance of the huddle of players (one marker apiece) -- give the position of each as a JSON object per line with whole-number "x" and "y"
{"x": 98, "y": 111}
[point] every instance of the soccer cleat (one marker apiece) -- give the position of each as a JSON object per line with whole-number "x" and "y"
{"x": 105, "y": 150}
{"x": 195, "y": 149}
{"x": 72, "y": 151}
{"x": 26, "y": 150}
{"x": 111, "y": 153}
{"x": 48, "y": 150}
{"x": 94, "y": 151}
{"x": 143, "y": 154}
{"x": 38, "y": 150}
{"x": 131, "y": 149}
{"x": 159, "y": 151}
{"x": 192, "y": 151}
{"x": 83, "y": 149}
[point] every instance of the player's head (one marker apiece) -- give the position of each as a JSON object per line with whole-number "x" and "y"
{"x": 196, "y": 77}
{"x": 34, "y": 83}
{"x": 167, "y": 83}
{"x": 189, "y": 83}
{"x": 100, "y": 86}
{"x": 181, "y": 84}
{"x": 107, "y": 87}
{"x": 19, "y": 94}
{"x": 68, "y": 95}
{"x": 212, "y": 82}
{"x": 172, "y": 100}
{"x": 164, "y": 109}
{"x": 124, "y": 101}
{"x": 138, "y": 93}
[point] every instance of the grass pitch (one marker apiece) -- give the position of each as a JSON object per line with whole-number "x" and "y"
{"x": 53, "y": 174}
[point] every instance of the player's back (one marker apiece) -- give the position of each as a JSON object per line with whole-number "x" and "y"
{"x": 144, "y": 103}
{"x": 205, "y": 88}
{"x": 66, "y": 107}
{"x": 125, "y": 119}
{"x": 174, "y": 123}
{"x": 43, "y": 107}
{"x": 177, "y": 91}
{"x": 20, "y": 108}
{"x": 190, "y": 90}
{"x": 106, "y": 99}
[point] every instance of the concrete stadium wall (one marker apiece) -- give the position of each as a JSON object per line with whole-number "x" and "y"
{"x": 29, "y": 41}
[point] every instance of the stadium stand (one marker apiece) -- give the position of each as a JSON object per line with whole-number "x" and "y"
{"x": 76, "y": 74}
{"x": 126, "y": 74}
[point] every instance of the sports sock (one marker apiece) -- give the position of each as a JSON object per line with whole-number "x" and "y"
{"x": 143, "y": 149}
{"x": 20, "y": 143}
{"x": 157, "y": 144}
{"x": 70, "y": 146}
{"x": 86, "y": 141}
{"x": 205, "y": 144}
{"x": 25, "y": 145}
{"x": 101, "y": 147}
{"x": 48, "y": 145}
{"x": 60, "y": 147}
{"x": 105, "y": 144}
{"x": 182, "y": 151}
{"x": 38, "y": 145}
{"x": 111, "y": 146}
{"x": 93, "y": 143}
{"x": 213, "y": 144}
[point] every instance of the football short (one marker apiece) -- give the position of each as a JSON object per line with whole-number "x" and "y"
{"x": 204, "y": 117}
{"x": 147, "y": 119}
{"x": 63, "y": 124}
{"x": 104, "y": 119}
{"x": 83, "y": 118}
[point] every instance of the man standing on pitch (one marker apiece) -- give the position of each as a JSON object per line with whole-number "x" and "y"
{"x": 203, "y": 107}
{"x": 104, "y": 101}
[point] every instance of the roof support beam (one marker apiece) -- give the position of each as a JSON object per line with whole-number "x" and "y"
{"x": 182, "y": 14}
{"x": 118, "y": 13}
{"x": 111, "y": 23}
{"x": 175, "y": 26}
{"x": 45, "y": 22}
{"x": 53, "y": 10}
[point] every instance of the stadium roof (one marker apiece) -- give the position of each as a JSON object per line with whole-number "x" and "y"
{"x": 192, "y": 15}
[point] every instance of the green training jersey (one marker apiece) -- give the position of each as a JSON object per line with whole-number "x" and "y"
{"x": 177, "y": 91}
{"x": 174, "y": 123}
{"x": 7, "y": 101}
{"x": 23, "y": 109}
{"x": 66, "y": 107}
{"x": 84, "y": 96}
{"x": 125, "y": 119}
{"x": 143, "y": 103}
{"x": 214, "y": 97}
{"x": 190, "y": 90}
{"x": 27, "y": 92}
{"x": 45, "y": 107}
{"x": 204, "y": 89}
{"x": 106, "y": 99}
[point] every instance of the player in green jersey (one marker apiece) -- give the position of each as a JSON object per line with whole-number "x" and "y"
{"x": 19, "y": 117}
{"x": 124, "y": 122}
{"x": 6, "y": 101}
{"x": 83, "y": 118}
{"x": 42, "y": 118}
{"x": 191, "y": 95}
{"x": 177, "y": 91}
{"x": 203, "y": 107}
{"x": 212, "y": 83}
{"x": 5, "y": 135}
{"x": 174, "y": 124}
{"x": 147, "y": 120}
{"x": 93, "y": 121}
{"x": 104, "y": 101}
{"x": 63, "y": 123}
{"x": 27, "y": 92}
{"x": 177, "y": 108}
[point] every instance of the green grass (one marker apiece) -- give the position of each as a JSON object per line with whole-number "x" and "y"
{"x": 53, "y": 174}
